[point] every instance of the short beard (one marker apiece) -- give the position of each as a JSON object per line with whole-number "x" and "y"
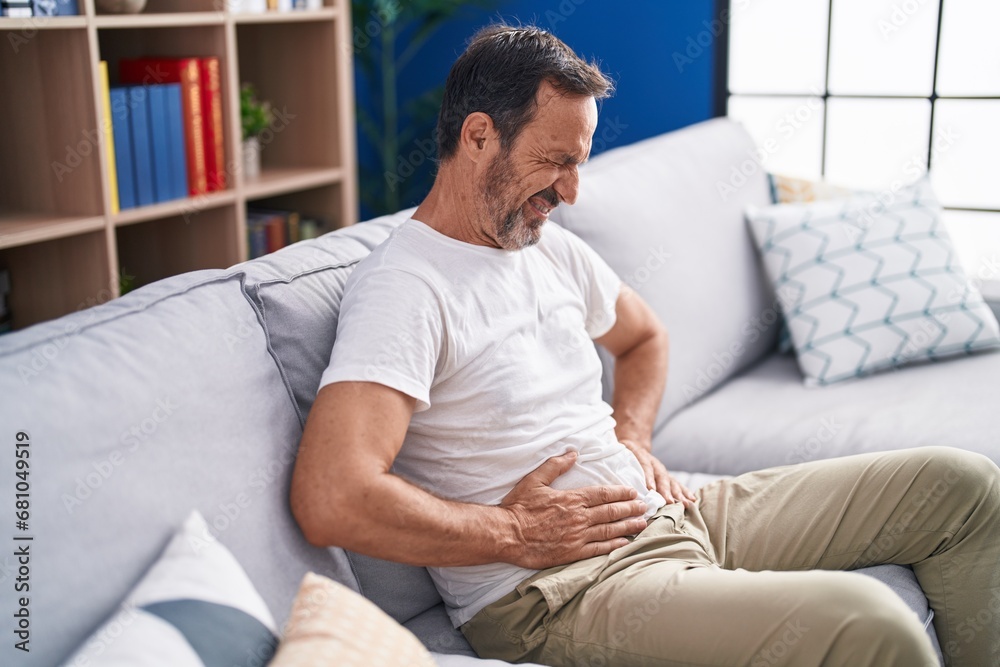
{"x": 511, "y": 230}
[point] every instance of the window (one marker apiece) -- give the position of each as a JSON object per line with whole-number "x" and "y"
{"x": 865, "y": 93}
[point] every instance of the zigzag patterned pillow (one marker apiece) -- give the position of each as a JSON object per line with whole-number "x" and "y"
{"x": 870, "y": 282}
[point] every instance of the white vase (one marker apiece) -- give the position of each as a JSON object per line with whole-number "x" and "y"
{"x": 251, "y": 159}
{"x": 121, "y": 6}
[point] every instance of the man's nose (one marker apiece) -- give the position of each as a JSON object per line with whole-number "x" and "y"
{"x": 568, "y": 185}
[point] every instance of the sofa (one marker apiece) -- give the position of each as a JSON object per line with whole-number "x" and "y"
{"x": 192, "y": 392}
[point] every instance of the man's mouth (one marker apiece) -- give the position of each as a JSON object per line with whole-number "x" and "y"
{"x": 542, "y": 207}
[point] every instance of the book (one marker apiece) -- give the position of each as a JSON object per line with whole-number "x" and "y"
{"x": 211, "y": 111}
{"x": 6, "y": 323}
{"x": 175, "y": 143}
{"x": 159, "y": 134}
{"x": 275, "y": 226}
{"x": 257, "y": 234}
{"x": 187, "y": 72}
{"x": 15, "y": 9}
{"x": 109, "y": 140}
{"x": 55, "y": 7}
{"x": 311, "y": 228}
{"x": 122, "y": 133}
{"x": 293, "y": 227}
{"x": 142, "y": 147}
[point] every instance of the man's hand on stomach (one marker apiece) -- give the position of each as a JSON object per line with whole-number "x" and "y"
{"x": 556, "y": 527}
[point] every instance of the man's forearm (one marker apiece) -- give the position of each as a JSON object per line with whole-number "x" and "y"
{"x": 640, "y": 377}
{"x": 392, "y": 519}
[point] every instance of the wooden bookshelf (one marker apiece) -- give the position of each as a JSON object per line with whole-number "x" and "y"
{"x": 60, "y": 242}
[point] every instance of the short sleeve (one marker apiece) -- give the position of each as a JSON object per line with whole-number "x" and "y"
{"x": 390, "y": 331}
{"x": 598, "y": 283}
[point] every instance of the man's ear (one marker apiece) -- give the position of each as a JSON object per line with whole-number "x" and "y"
{"x": 478, "y": 135}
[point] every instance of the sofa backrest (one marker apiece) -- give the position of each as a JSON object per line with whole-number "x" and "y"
{"x": 667, "y": 215}
{"x": 138, "y": 411}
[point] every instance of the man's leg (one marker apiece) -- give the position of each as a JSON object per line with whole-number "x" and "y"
{"x": 665, "y": 599}
{"x": 935, "y": 508}
{"x": 662, "y": 600}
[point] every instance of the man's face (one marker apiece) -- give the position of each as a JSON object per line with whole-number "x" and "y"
{"x": 521, "y": 186}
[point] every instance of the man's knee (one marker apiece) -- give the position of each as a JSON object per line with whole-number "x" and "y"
{"x": 864, "y": 622}
{"x": 951, "y": 469}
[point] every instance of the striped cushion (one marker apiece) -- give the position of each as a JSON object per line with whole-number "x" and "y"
{"x": 195, "y": 607}
{"x": 869, "y": 283}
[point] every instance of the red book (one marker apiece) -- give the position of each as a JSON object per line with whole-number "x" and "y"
{"x": 187, "y": 72}
{"x": 275, "y": 233}
{"x": 211, "y": 111}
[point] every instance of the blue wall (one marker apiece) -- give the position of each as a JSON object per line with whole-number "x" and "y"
{"x": 649, "y": 47}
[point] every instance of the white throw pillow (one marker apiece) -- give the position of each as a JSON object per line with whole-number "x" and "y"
{"x": 195, "y": 607}
{"x": 870, "y": 282}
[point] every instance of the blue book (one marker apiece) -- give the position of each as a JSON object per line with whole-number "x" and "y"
{"x": 160, "y": 135}
{"x": 121, "y": 130}
{"x": 142, "y": 146}
{"x": 55, "y": 7}
{"x": 176, "y": 145}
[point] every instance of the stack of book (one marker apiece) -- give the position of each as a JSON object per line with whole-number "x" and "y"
{"x": 26, "y": 8}
{"x": 166, "y": 130}
{"x": 269, "y": 230}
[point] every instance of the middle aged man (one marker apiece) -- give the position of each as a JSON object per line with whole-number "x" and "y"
{"x": 460, "y": 426}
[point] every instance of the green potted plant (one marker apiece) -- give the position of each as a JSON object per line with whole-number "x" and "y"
{"x": 256, "y": 117}
{"x": 388, "y": 34}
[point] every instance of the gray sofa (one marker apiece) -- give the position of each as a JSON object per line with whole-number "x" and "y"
{"x": 191, "y": 393}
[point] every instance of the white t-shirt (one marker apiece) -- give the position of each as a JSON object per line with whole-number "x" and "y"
{"x": 495, "y": 346}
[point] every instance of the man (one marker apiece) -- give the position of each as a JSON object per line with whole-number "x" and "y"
{"x": 460, "y": 426}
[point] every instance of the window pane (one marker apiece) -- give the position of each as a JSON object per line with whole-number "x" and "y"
{"x": 964, "y": 165}
{"x": 871, "y": 144}
{"x": 883, "y": 47}
{"x": 778, "y": 46}
{"x": 977, "y": 241}
{"x": 969, "y": 62}
{"x": 788, "y": 130}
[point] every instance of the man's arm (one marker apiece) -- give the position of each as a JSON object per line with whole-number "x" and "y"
{"x": 343, "y": 494}
{"x": 640, "y": 346}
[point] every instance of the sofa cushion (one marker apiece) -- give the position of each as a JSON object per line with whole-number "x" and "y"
{"x": 667, "y": 215}
{"x": 298, "y": 291}
{"x": 870, "y": 282}
{"x": 767, "y": 417}
{"x": 194, "y": 608}
{"x": 333, "y": 625}
{"x": 138, "y": 411}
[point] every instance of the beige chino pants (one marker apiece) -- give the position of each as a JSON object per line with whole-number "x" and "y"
{"x": 743, "y": 577}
